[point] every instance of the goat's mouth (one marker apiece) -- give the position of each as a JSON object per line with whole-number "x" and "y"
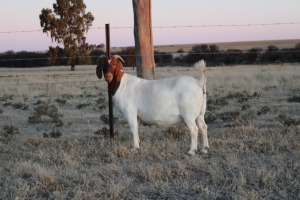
{"x": 108, "y": 80}
{"x": 108, "y": 77}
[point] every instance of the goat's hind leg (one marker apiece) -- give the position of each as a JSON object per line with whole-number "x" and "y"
{"x": 194, "y": 137}
{"x": 202, "y": 125}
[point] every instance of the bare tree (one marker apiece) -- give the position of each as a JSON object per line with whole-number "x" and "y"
{"x": 67, "y": 24}
{"x": 143, "y": 38}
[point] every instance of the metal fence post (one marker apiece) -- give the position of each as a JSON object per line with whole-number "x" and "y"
{"x": 110, "y": 103}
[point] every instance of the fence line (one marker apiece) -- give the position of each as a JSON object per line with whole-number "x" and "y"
{"x": 167, "y": 27}
{"x": 158, "y": 54}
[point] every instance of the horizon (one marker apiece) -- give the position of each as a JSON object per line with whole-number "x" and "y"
{"x": 167, "y": 13}
{"x": 239, "y": 45}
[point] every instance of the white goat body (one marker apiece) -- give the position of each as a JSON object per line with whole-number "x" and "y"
{"x": 159, "y": 102}
{"x": 165, "y": 102}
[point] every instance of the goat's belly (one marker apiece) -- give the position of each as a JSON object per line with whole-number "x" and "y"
{"x": 161, "y": 122}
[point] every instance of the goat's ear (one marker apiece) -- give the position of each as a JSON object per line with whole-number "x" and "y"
{"x": 99, "y": 71}
{"x": 100, "y": 66}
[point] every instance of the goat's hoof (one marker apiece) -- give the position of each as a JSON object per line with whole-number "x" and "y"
{"x": 191, "y": 152}
{"x": 204, "y": 150}
{"x": 135, "y": 149}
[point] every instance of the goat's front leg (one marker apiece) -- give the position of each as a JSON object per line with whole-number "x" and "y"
{"x": 133, "y": 123}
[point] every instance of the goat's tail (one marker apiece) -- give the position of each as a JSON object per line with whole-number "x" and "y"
{"x": 201, "y": 66}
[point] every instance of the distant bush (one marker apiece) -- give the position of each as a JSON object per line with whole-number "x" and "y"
{"x": 128, "y": 54}
{"x": 162, "y": 58}
{"x": 211, "y": 53}
{"x": 203, "y": 51}
{"x": 231, "y": 57}
{"x": 23, "y": 59}
{"x": 95, "y": 54}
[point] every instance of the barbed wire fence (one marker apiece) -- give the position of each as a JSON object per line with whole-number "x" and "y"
{"x": 164, "y": 27}
{"x": 167, "y": 27}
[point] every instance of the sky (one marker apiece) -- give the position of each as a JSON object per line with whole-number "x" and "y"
{"x": 17, "y": 15}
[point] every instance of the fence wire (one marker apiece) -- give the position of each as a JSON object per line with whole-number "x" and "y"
{"x": 168, "y": 27}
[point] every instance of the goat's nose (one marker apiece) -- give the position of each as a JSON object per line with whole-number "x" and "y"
{"x": 108, "y": 77}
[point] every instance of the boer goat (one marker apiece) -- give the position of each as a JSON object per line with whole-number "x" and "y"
{"x": 165, "y": 102}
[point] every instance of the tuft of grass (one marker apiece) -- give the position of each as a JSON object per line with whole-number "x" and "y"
{"x": 83, "y": 105}
{"x": 230, "y": 116}
{"x": 61, "y": 101}
{"x": 33, "y": 142}
{"x": 52, "y": 134}
{"x": 247, "y": 117}
{"x": 55, "y": 134}
{"x": 101, "y": 100}
{"x": 102, "y": 107}
{"x": 6, "y": 98}
{"x": 242, "y": 97}
{"x": 287, "y": 121}
{"x": 264, "y": 110}
{"x": 216, "y": 103}
{"x": 103, "y": 131}
{"x": 46, "y": 110}
{"x": 21, "y": 106}
{"x": 40, "y": 102}
{"x": 8, "y": 132}
{"x": 105, "y": 118}
{"x": 7, "y": 104}
{"x": 294, "y": 99}
{"x": 210, "y": 117}
{"x": 177, "y": 132}
{"x": 246, "y": 107}
{"x": 67, "y": 96}
{"x": 235, "y": 95}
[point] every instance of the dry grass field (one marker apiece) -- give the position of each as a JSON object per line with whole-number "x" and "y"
{"x": 54, "y": 142}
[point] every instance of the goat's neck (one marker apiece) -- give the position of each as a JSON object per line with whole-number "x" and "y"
{"x": 114, "y": 85}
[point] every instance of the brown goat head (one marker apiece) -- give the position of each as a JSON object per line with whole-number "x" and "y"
{"x": 115, "y": 69}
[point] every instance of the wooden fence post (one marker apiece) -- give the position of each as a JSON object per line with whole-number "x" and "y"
{"x": 143, "y": 38}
